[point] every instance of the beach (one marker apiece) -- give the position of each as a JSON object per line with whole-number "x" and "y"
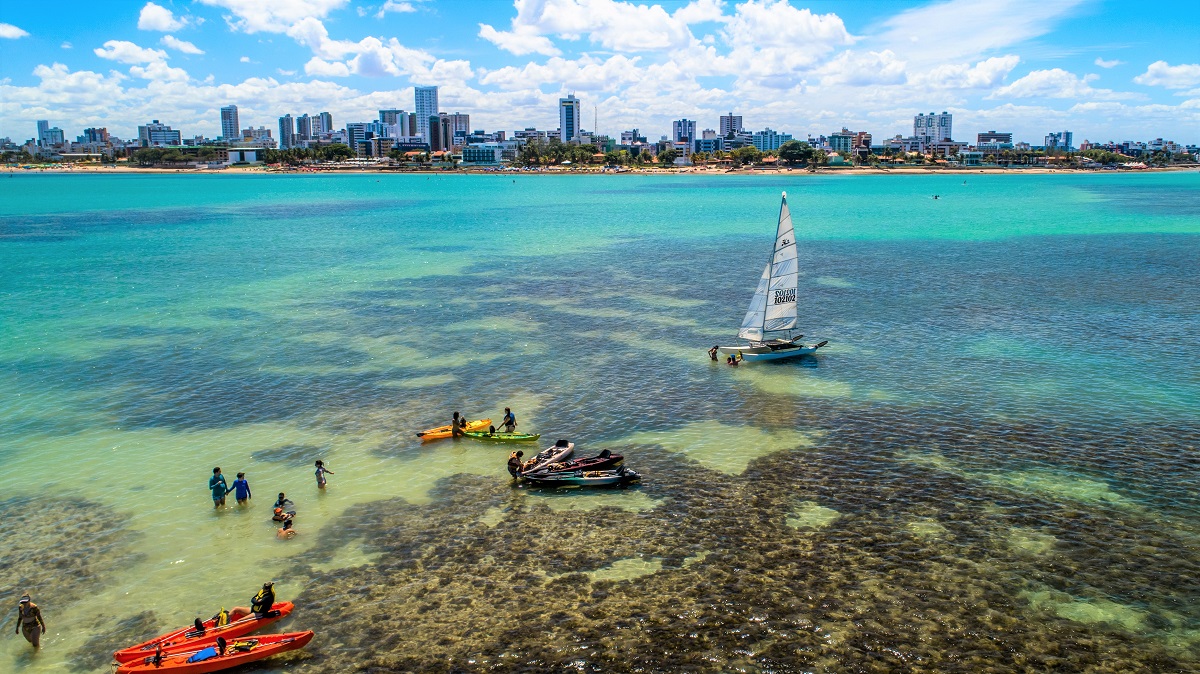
{"x": 991, "y": 467}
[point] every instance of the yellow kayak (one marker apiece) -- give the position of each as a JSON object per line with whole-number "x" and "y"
{"x": 444, "y": 431}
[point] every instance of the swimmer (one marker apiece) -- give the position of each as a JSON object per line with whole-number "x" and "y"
{"x": 321, "y": 471}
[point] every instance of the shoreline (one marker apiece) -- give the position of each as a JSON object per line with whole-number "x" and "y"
{"x": 915, "y": 170}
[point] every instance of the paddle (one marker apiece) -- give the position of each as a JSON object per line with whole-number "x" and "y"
{"x": 817, "y": 346}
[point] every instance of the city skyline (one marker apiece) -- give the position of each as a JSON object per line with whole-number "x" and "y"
{"x": 806, "y": 68}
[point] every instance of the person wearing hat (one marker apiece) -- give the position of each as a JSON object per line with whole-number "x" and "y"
{"x": 29, "y": 621}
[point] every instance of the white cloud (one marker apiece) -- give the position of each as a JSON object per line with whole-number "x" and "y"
{"x": 1107, "y": 64}
{"x": 159, "y": 71}
{"x": 855, "y": 69}
{"x": 184, "y": 46}
{"x": 613, "y": 24}
{"x": 244, "y": 59}
{"x": 11, "y": 32}
{"x": 272, "y": 16}
{"x": 521, "y": 40}
{"x": 321, "y": 68}
{"x": 128, "y": 52}
{"x": 66, "y": 45}
{"x": 776, "y": 23}
{"x": 1056, "y": 83}
{"x": 286, "y": 73}
{"x": 1162, "y": 74}
{"x": 983, "y": 75}
{"x": 157, "y": 17}
{"x": 393, "y": 6}
{"x": 962, "y": 30}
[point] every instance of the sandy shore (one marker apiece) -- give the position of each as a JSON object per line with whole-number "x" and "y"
{"x": 905, "y": 170}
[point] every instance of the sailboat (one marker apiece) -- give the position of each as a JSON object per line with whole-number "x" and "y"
{"x": 771, "y": 319}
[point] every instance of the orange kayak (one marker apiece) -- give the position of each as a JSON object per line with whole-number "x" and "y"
{"x": 444, "y": 431}
{"x": 207, "y": 659}
{"x": 187, "y": 638}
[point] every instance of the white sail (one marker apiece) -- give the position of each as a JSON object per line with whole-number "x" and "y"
{"x": 772, "y": 311}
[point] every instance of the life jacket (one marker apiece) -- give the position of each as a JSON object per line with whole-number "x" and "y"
{"x": 222, "y": 617}
{"x": 262, "y": 601}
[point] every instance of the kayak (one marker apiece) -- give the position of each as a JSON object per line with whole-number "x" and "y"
{"x": 605, "y": 460}
{"x": 584, "y": 478}
{"x": 444, "y": 431}
{"x": 187, "y": 637}
{"x": 208, "y": 659}
{"x": 561, "y": 451}
{"x": 503, "y": 437}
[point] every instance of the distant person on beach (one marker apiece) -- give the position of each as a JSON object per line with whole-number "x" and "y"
{"x": 510, "y": 421}
{"x": 241, "y": 489}
{"x": 29, "y": 621}
{"x": 514, "y": 463}
{"x": 321, "y": 471}
{"x": 219, "y": 487}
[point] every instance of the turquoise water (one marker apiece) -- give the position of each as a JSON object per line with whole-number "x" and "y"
{"x": 991, "y": 467}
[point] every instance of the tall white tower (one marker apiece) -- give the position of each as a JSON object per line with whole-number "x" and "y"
{"x": 231, "y": 131}
{"x": 426, "y": 106}
{"x": 568, "y": 118}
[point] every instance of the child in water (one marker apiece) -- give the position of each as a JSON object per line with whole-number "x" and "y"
{"x": 287, "y": 531}
{"x": 241, "y": 489}
{"x": 321, "y": 470}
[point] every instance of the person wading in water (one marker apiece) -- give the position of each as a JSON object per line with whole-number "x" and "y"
{"x": 29, "y": 621}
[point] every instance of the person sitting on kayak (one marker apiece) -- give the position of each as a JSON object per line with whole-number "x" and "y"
{"x": 264, "y": 600}
{"x": 510, "y": 421}
{"x": 514, "y": 463}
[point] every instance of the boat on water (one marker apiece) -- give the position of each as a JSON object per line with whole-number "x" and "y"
{"x": 605, "y": 460}
{"x": 189, "y": 638}
{"x": 585, "y": 478}
{"x": 561, "y": 451}
{"x": 771, "y": 320}
{"x": 211, "y": 659}
{"x": 445, "y": 431}
{"x": 502, "y": 436}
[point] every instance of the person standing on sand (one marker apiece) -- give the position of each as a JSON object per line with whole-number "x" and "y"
{"x": 219, "y": 487}
{"x": 29, "y": 621}
{"x": 321, "y": 470}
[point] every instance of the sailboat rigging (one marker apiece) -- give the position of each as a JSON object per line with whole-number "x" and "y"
{"x": 772, "y": 317}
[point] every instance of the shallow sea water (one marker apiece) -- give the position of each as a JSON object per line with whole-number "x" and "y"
{"x": 992, "y": 467}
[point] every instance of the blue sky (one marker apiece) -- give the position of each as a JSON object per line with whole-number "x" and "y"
{"x": 1104, "y": 69}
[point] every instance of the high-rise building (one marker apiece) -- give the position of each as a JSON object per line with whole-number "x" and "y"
{"x": 460, "y": 123}
{"x": 425, "y": 102}
{"x": 410, "y": 128}
{"x": 994, "y": 138}
{"x": 43, "y": 126}
{"x": 230, "y": 126}
{"x": 769, "y": 140}
{"x": 730, "y": 124}
{"x": 447, "y": 132}
{"x": 94, "y": 135}
{"x": 304, "y": 127}
{"x": 683, "y": 130}
{"x": 933, "y": 128}
{"x": 568, "y": 118}
{"x": 49, "y": 136}
{"x": 1059, "y": 140}
{"x": 326, "y": 122}
{"x": 390, "y": 116}
{"x": 356, "y": 132}
{"x": 155, "y": 134}
{"x": 287, "y": 132}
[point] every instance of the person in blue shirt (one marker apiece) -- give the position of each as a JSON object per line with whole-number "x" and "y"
{"x": 241, "y": 489}
{"x": 510, "y": 421}
{"x": 219, "y": 487}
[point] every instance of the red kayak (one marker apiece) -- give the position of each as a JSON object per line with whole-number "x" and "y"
{"x": 208, "y": 659}
{"x": 188, "y": 638}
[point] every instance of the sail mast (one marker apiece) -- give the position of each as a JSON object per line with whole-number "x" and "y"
{"x": 772, "y": 310}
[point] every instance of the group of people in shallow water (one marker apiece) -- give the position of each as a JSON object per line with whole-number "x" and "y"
{"x": 284, "y": 511}
{"x": 732, "y": 359}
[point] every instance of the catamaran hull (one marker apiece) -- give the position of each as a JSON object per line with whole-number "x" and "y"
{"x": 757, "y": 353}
